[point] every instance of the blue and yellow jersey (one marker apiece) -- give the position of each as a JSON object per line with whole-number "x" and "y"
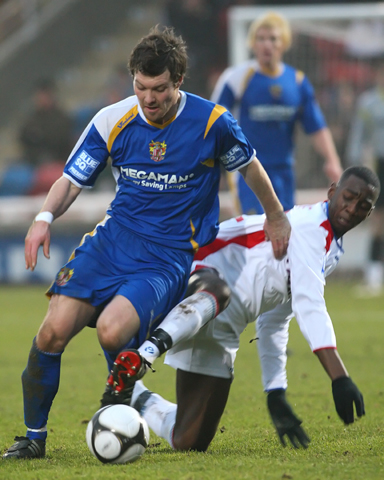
{"x": 167, "y": 175}
{"x": 268, "y": 107}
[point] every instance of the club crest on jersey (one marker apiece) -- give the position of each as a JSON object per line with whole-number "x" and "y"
{"x": 157, "y": 150}
{"x": 275, "y": 91}
{"x": 64, "y": 276}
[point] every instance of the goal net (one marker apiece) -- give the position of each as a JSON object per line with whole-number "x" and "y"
{"x": 336, "y": 46}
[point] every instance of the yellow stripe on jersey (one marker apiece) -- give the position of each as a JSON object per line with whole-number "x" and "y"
{"x": 120, "y": 125}
{"x": 210, "y": 162}
{"x": 299, "y": 76}
{"x": 215, "y": 114}
{"x": 194, "y": 244}
{"x": 250, "y": 72}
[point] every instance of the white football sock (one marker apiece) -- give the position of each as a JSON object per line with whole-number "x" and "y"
{"x": 160, "y": 416}
{"x": 184, "y": 321}
{"x": 149, "y": 351}
{"x": 138, "y": 389}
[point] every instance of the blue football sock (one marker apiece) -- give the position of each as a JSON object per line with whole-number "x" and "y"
{"x": 110, "y": 358}
{"x": 40, "y": 381}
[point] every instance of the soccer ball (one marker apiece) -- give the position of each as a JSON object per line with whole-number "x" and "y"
{"x": 117, "y": 434}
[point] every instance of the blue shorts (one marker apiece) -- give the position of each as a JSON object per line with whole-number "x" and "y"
{"x": 283, "y": 182}
{"x": 114, "y": 261}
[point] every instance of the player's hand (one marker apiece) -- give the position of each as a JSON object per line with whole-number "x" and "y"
{"x": 285, "y": 421}
{"x": 38, "y": 234}
{"x": 278, "y": 230}
{"x": 333, "y": 171}
{"x": 345, "y": 394}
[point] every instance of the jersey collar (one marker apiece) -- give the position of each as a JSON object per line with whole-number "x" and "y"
{"x": 182, "y": 103}
{"x": 339, "y": 240}
{"x": 277, "y": 72}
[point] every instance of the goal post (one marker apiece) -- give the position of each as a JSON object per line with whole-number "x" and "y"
{"x": 240, "y": 18}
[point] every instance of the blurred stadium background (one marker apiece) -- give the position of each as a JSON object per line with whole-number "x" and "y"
{"x": 83, "y": 44}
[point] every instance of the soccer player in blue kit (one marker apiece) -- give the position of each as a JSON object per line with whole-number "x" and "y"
{"x": 270, "y": 98}
{"x": 166, "y": 148}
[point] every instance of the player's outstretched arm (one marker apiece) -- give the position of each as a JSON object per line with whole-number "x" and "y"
{"x": 285, "y": 421}
{"x": 61, "y": 195}
{"x": 324, "y": 144}
{"x": 277, "y": 227}
{"x": 345, "y": 393}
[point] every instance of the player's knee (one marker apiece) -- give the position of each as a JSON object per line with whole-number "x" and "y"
{"x": 209, "y": 280}
{"x": 50, "y": 339}
{"x": 184, "y": 441}
{"x": 222, "y": 292}
{"x": 109, "y": 337}
{"x": 113, "y": 335}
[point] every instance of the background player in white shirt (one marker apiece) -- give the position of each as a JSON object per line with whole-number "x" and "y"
{"x": 270, "y": 292}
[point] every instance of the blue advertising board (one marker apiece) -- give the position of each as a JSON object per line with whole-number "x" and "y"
{"x": 12, "y": 263}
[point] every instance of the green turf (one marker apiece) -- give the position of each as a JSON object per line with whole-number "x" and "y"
{"x": 246, "y": 447}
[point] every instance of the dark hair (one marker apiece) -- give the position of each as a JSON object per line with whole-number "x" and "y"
{"x": 157, "y": 52}
{"x": 365, "y": 173}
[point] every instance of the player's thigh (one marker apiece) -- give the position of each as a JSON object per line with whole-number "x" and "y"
{"x": 201, "y": 400}
{"x": 153, "y": 293}
{"x": 66, "y": 316}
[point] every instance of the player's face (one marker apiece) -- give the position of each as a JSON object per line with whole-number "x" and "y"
{"x": 268, "y": 47}
{"x": 350, "y": 203}
{"x": 158, "y": 96}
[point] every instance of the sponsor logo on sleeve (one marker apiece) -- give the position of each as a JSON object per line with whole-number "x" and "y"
{"x": 233, "y": 158}
{"x": 84, "y": 166}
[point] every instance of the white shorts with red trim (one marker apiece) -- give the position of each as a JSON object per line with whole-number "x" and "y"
{"x": 212, "y": 351}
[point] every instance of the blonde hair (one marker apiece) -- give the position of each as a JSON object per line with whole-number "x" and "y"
{"x": 271, "y": 20}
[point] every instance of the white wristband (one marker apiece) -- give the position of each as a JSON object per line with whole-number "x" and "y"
{"x": 45, "y": 217}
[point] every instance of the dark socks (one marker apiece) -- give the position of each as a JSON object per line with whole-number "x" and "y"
{"x": 40, "y": 381}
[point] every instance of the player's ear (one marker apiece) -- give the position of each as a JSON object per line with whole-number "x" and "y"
{"x": 331, "y": 190}
{"x": 179, "y": 82}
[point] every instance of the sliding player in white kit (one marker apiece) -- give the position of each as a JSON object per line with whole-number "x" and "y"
{"x": 271, "y": 292}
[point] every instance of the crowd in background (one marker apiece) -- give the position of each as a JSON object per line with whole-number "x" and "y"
{"x": 49, "y": 132}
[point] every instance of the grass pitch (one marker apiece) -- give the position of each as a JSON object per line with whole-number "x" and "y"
{"x": 246, "y": 446}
